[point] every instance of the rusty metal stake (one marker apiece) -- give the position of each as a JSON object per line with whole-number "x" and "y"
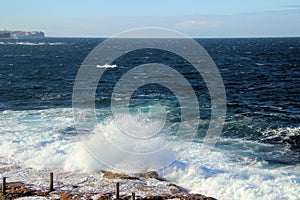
{"x": 117, "y": 190}
{"x": 3, "y": 185}
{"x": 51, "y": 182}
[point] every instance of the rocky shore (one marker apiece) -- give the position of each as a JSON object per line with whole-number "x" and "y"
{"x": 21, "y": 34}
{"x": 142, "y": 190}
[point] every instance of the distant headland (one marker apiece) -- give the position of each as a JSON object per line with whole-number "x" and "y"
{"x": 21, "y": 34}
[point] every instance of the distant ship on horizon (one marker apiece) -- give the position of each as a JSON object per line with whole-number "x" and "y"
{"x": 21, "y": 34}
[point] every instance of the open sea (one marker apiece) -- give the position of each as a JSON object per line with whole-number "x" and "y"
{"x": 257, "y": 155}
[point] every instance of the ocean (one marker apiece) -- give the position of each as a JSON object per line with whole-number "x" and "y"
{"x": 256, "y": 156}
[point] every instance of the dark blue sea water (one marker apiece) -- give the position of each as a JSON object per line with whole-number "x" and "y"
{"x": 261, "y": 78}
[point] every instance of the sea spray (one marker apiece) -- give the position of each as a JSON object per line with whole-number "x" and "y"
{"x": 228, "y": 174}
{"x": 109, "y": 147}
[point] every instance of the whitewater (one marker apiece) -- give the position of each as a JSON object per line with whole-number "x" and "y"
{"x": 35, "y": 142}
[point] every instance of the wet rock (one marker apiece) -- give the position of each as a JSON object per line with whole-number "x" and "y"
{"x": 113, "y": 175}
{"x": 106, "y": 196}
{"x": 136, "y": 176}
{"x": 153, "y": 198}
{"x": 175, "y": 189}
{"x": 65, "y": 196}
{"x": 150, "y": 174}
{"x": 17, "y": 189}
{"x": 198, "y": 197}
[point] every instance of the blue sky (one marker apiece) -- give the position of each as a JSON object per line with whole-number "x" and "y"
{"x": 196, "y": 18}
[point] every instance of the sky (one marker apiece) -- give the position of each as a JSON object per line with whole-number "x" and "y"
{"x": 195, "y": 18}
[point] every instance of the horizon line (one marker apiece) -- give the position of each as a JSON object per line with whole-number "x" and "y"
{"x": 194, "y": 37}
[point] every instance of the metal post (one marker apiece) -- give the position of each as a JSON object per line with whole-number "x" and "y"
{"x": 117, "y": 190}
{"x": 3, "y": 185}
{"x": 51, "y": 182}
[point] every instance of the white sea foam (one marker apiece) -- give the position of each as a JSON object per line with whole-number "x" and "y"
{"x": 285, "y": 133}
{"x": 222, "y": 175}
{"x": 33, "y": 138}
{"x": 32, "y": 43}
{"x": 106, "y": 66}
{"x": 110, "y": 145}
{"x": 38, "y": 141}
